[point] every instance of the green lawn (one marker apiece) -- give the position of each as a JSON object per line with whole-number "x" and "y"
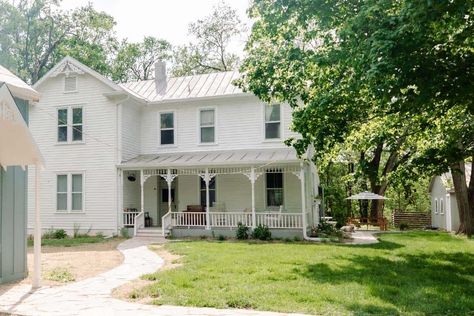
{"x": 69, "y": 242}
{"x": 416, "y": 273}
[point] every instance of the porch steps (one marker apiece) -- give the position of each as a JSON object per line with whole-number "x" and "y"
{"x": 151, "y": 232}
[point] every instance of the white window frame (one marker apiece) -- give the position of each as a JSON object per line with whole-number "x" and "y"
{"x": 64, "y": 84}
{"x": 269, "y": 140}
{"x": 70, "y": 125}
{"x": 69, "y": 192}
{"x": 436, "y": 206}
{"x": 175, "y": 128}
{"x": 199, "y": 110}
{"x": 265, "y": 189}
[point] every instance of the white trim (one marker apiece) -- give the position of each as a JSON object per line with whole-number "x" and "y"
{"x": 264, "y": 136}
{"x": 69, "y": 124}
{"x": 199, "y": 110}
{"x": 69, "y": 192}
{"x": 175, "y": 129}
{"x": 64, "y": 84}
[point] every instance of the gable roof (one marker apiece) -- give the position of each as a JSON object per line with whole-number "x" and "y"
{"x": 71, "y": 65}
{"x": 17, "y": 87}
{"x": 188, "y": 87}
{"x": 447, "y": 179}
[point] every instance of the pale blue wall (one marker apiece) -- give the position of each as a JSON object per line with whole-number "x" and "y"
{"x": 13, "y": 190}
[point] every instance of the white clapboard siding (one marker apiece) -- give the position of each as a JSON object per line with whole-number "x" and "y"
{"x": 131, "y": 132}
{"x": 239, "y": 124}
{"x": 96, "y": 157}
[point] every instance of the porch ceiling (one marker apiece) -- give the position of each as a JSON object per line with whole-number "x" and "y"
{"x": 213, "y": 158}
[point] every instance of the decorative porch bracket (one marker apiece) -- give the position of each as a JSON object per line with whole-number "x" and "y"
{"x": 207, "y": 177}
{"x": 253, "y": 176}
{"x": 169, "y": 177}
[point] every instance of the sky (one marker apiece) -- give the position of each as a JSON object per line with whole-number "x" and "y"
{"x": 165, "y": 19}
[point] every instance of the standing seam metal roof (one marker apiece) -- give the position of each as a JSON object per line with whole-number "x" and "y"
{"x": 197, "y": 86}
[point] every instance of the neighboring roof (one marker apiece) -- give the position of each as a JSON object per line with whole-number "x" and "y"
{"x": 17, "y": 87}
{"x": 366, "y": 195}
{"x": 17, "y": 146}
{"x": 447, "y": 179}
{"x": 71, "y": 65}
{"x": 189, "y": 87}
{"x": 213, "y": 158}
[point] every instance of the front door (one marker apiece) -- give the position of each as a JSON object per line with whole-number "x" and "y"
{"x": 163, "y": 198}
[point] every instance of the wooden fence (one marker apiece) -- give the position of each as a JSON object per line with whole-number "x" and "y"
{"x": 413, "y": 219}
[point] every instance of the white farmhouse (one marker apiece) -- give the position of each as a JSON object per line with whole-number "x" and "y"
{"x": 444, "y": 207}
{"x": 189, "y": 156}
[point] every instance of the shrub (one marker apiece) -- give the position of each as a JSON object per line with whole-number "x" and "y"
{"x": 242, "y": 231}
{"x": 262, "y": 232}
{"x": 59, "y": 234}
{"x": 221, "y": 237}
{"x": 403, "y": 226}
{"x": 60, "y": 275}
{"x": 124, "y": 232}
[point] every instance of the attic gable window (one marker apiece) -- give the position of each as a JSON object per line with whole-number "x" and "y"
{"x": 70, "y": 84}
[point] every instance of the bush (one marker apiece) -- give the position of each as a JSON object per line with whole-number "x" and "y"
{"x": 60, "y": 275}
{"x": 221, "y": 237}
{"x": 262, "y": 232}
{"x": 59, "y": 234}
{"x": 242, "y": 231}
{"x": 403, "y": 226}
{"x": 124, "y": 232}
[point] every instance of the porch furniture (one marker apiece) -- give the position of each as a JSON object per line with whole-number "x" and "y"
{"x": 148, "y": 220}
{"x": 217, "y": 216}
{"x": 273, "y": 215}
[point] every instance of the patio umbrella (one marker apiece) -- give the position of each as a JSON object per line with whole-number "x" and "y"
{"x": 366, "y": 195}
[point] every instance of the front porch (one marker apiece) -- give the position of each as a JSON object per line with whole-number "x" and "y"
{"x": 278, "y": 194}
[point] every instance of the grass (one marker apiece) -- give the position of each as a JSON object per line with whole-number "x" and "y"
{"x": 416, "y": 273}
{"x": 69, "y": 242}
{"x": 59, "y": 275}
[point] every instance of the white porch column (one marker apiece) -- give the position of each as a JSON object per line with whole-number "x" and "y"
{"x": 142, "y": 192}
{"x": 207, "y": 180}
{"x": 252, "y": 181}
{"x": 303, "y": 199}
{"x": 37, "y": 232}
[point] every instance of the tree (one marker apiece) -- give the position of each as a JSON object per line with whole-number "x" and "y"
{"x": 398, "y": 66}
{"x": 212, "y": 37}
{"x": 35, "y": 35}
{"x": 135, "y": 61}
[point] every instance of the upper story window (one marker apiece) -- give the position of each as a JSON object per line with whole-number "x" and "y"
{"x": 70, "y": 192}
{"x": 70, "y": 124}
{"x": 272, "y": 121}
{"x": 70, "y": 84}
{"x": 274, "y": 189}
{"x": 207, "y": 126}
{"x": 167, "y": 129}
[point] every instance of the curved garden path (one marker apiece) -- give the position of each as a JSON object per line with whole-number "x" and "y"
{"x": 93, "y": 296}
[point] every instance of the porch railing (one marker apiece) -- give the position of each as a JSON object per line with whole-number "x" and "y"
{"x": 139, "y": 222}
{"x": 129, "y": 218}
{"x": 231, "y": 219}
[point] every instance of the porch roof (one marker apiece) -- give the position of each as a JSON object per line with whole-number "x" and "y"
{"x": 213, "y": 158}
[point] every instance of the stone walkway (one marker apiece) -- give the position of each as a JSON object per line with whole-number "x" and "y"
{"x": 93, "y": 296}
{"x": 364, "y": 237}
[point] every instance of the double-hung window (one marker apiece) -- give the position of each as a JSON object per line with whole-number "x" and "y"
{"x": 70, "y": 192}
{"x": 274, "y": 189}
{"x": 272, "y": 121}
{"x": 207, "y": 128}
{"x": 212, "y": 192}
{"x": 70, "y": 124}
{"x": 167, "y": 128}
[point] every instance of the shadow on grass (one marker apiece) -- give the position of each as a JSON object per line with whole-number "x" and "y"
{"x": 436, "y": 283}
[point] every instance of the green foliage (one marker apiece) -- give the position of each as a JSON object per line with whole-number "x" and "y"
{"x": 124, "y": 232}
{"x": 59, "y": 275}
{"x": 221, "y": 238}
{"x": 55, "y": 234}
{"x": 262, "y": 232}
{"x": 242, "y": 232}
{"x": 209, "y": 50}
{"x": 403, "y": 226}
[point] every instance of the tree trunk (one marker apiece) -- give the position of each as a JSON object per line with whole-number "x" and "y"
{"x": 462, "y": 197}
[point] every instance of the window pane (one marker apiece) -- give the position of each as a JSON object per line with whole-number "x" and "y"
{"x": 77, "y": 183}
{"x": 166, "y": 120}
{"x": 272, "y": 130}
{"x": 207, "y": 134}
{"x": 77, "y": 116}
{"x": 77, "y": 132}
{"x": 61, "y": 183}
{"x": 272, "y": 113}
{"x": 77, "y": 201}
{"x": 167, "y": 137}
{"x": 274, "y": 197}
{"x": 62, "y": 117}
{"x": 62, "y": 134}
{"x": 207, "y": 117}
{"x": 61, "y": 203}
